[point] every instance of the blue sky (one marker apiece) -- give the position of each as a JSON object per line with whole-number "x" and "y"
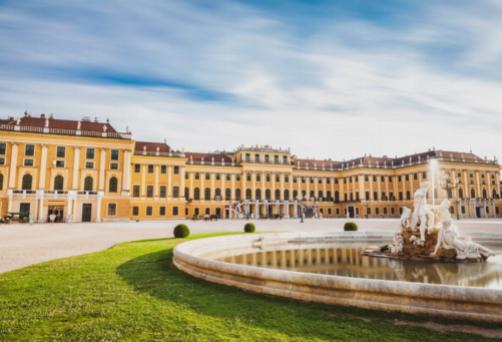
{"x": 329, "y": 79}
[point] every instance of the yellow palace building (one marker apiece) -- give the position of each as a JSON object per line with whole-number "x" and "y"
{"x": 73, "y": 171}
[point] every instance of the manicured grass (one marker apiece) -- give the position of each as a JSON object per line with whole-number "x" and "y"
{"x": 133, "y": 292}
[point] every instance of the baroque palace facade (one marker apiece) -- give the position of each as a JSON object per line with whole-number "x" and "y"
{"x": 85, "y": 170}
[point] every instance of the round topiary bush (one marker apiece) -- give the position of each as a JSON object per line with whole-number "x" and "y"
{"x": 181, "y": 231}
{"x": 350, "y": 226}
{"x": 249, "y": 227}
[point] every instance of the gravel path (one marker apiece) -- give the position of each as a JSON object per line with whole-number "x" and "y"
{"x": 23, "y": 245}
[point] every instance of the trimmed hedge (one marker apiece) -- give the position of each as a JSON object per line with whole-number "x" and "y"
{"x": 350, "y": 226}
{"x": 249, "y": 227}
{"x": 181, "y": 231}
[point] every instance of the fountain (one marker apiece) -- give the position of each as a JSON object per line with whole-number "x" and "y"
{"x": 429, "y": 268}
{"x": 428, "y": 232}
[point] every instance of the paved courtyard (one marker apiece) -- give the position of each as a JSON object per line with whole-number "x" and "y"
{"x": 23, "y": 245}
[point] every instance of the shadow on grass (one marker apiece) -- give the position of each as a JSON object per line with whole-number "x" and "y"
{"x": 155, "y": 274}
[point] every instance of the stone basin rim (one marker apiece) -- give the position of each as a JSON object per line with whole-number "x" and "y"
{"x": 470, "y": 303}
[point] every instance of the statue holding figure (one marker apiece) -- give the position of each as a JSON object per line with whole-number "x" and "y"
{"x": 422, "y": 212}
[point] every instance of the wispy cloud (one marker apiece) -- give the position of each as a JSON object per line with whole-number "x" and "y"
{"x": 327, "y": 79}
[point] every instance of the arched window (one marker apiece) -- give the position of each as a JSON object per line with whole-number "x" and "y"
{"x": 337, "y": 196}
{"x": 112, "y": 186}
{"x": 187, "y": 193}
{"x": 312, "y": 195}
{"x": 196, "y": 194}
{"x": 268, "y": 194}
{"x": 248, "y": 194}
{"x": 473, "y": 193}
{"x": 258, "y": 194}
{"x": 277, "y": 194}
{"x": 1, "y": 181}
{"x": 320, "y": 196}
{"x": 58, "y": 183}
{"x": 295, "y": 194}
{"x": 460, "y": 193}
{"x": 286, "y": 195}
{"x": 217, "y": 194}
{"x": 207, "y": 194}
{"x": 88, "y": 186}
{"x": 238, "y": 194}
{"x": 328, "y": 196}
{"x": 27, "y": 182}
{"x": 494, "y": 194}
{"x": 228, "y": 194}
{"x": 485, "y": 194}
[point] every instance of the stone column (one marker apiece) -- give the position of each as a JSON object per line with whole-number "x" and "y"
{"x": 213, "y": 185}
{"x": 76, "y": 168}
{"x": 143, "y": 181}
{"x": 13, "y": 167}
{"x": 102, "y": 168}
{"x": 126, "y": 180}
{"x": 182, "y": 182}
{"x": 170, "y": 182}
{"x": 281, "y": 178}
{"x": 232, "y": 179}
{"x": 263, "y": 187}
{"x": 286, "y": 209}
{"x": 156, "y": 189}
{"x": 253, "y": 186}
{"x": 191, "y": 188}
{"x": 257, "y": 209}
{"x": 43, "y": 168}
{"x": 98, "y": 206}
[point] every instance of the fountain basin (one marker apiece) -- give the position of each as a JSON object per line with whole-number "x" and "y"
{"x": 203, "y": 259}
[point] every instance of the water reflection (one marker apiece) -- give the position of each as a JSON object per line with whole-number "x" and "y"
{"x": 348, "y": 261}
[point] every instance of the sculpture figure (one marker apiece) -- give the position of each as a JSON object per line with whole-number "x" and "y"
{"x": 422, "y": 213}
{"x": 449, "y": 237}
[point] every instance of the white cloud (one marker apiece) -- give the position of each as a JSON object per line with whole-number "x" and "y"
{"x": 320, "y": 93}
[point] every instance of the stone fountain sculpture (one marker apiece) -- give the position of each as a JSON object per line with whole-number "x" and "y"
{"x": 428, "y": 233}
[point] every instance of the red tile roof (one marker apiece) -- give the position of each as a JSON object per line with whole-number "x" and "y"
{"x": 151, "y": 147}
{"x": 208, "y": 158}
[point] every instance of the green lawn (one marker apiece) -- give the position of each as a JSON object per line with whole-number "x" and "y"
{"x": 133, "y": 292}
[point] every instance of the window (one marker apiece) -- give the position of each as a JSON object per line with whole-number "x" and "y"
{"x": 114, "y": 166}
{"x": 276, "y": 159}
{"x": 59, "y": 163}
{"x": 29, "y": 150}
{"x": 137, "y": 168}
{"x": 218, "y": 176}
{"x": 257, "y": 158}
{"x": 228, "y": 194}
{"x": 267, "y": 177}
{"x": 217, "y": 194}
{"x": 88, "y": 186}
{"x": 112, "y": 209}
{"x": 163, "y": 191}
{"x": 162, "y": 211}
{"x": 176, "y": 170}
{"x": 196, "y": 194}
{"x": 258, "y": 177}
{"x": 163, "y": 169}
{"x": 28, "y": 162}
{"x": 207, "y": 194}
{"x": 175, "y": 211}
{"x": 197, "y": 175}
{"x": 27, "y": 182}
{"x": 135, "y": 211}
{"x": 149, "y": 191}
{"x": 248, "y": 177}
{"x": 267, "y": 158}
{"x": 248, "y": 157}
{"x": 2, "y": 149}
{"x": 176, "y": 191}
{"x": 1, "y": 181}
{"x": 89, "y": 153}
{"x": 58, "y": 183}
{"x": 135, "y": 191}
{"x": 285, "y": 159}
{"x": 277, "y": 178}
{"x": 2, "y": 161}
{"x": 148, "y": 211}
{"x": 112, "y": 185}
{"x": 150, "y": 168}
{"x": 89, "y": 165}
{"x": 115, "y": 155}
{"x": 227, "y": 176}
{"x": 60, "y": 152}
